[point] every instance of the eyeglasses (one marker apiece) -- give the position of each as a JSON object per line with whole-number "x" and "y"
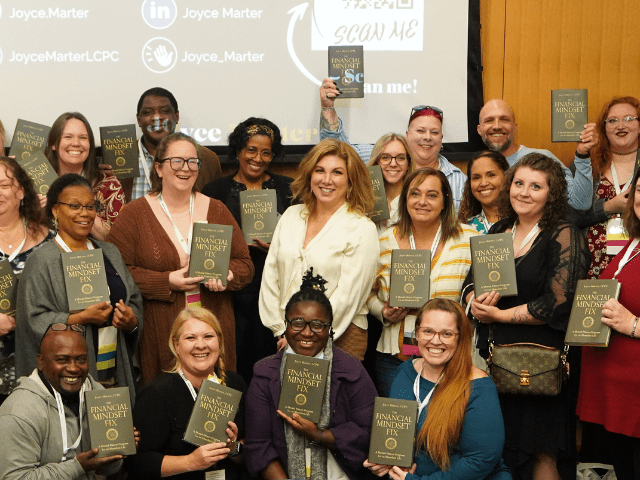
{"x": 178, "y": 162}
{"x": 96, "y": 206}
{"x": 385, "y": 159}
{"x": 420, "y": 108}
{"x": 299, "y": 324}
{"x": 446, "y": 336}
{"x": 62, "y": 327}
{"x": 252, "y": 152}
{"x": 614, "y": 121}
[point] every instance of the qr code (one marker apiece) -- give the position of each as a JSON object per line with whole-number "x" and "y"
{"x": 378, "y": 4}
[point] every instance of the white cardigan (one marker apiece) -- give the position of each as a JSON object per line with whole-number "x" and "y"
{"x": 345, "y": 252}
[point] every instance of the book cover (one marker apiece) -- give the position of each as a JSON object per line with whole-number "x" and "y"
{"x": 110, "y": 421}
{"x": 493, "y": 264}
{"x": 120, "y": 150}
{"x": 409, "y": 280}
{"x": 381, "y": 208}
{"x": 215, "y": 406}
{"x": 585, "y": 327}
{"x": 210, "y": 251}
{"x": 393, "y": 431}
{"x": 258, "y": 214}
{"x": 39, "y": 170}
{"x": 346, "y": 68}
{"x": 8, "y": 289}
{"x": 85, "y": 278}
{"x": 28, "y": 138}
{"x": 569, "y": 114}
{"x": 303, "y": 386}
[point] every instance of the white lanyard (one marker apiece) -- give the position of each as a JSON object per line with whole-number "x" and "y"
{"x": 143, "y": 161}
{"x": 63, "y": 422}
{"x": 434, "y": 245}
{"x": 185, "y": 246}
{"x": 485, "y": 222}
{"x": 416, "y": 390}
{"x": 616, "y": 183}
{"x": 15, "y": 253}
{"x": 534, "y": 231}
{"x": 627, "y": 254}
{"x": 213, "y": 377}
{"x": 65, "y": 247}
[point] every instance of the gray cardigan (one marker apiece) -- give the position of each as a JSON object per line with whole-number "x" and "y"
{"x": 42, "y": 300}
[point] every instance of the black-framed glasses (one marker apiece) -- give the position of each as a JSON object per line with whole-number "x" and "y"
{"x": 252, "y": 152}
{"x": 96, "y": 206}
{"x": 386, "y": 158}
{"x": 419, "y": 108}
{"x": 299, "y": 324}
{"x": 428, "y": 333}
{"x": 614, "y": 121}
{"x": 178, "y": 162}
{"x": 63, "y": 327}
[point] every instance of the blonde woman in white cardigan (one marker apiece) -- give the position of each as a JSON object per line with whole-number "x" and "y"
{"x": 330, "y": 233}
{"x": 427, "y": 222}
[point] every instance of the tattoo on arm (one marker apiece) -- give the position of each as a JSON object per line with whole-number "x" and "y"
{"x": 519, "y": 318}
{"x": 328, "y": 125}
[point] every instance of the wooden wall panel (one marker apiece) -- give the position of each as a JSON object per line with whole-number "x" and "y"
{"x": 549, "y": 44}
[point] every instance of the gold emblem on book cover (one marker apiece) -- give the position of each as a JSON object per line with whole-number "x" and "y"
{"x": 120, "y": 161}
{"x": 4, "y": 304}
{"x": 209, "y": 264}
{"x": 587, "y": 322}
{"x": 44, "y": 189}
{"x": 569, "y": 124}
{"x": 209, "y": 426}
{"x": 259, "y": 225}
{"x": 409, "y": 288}
{"x": 87, "y": 288}
{"x": 494, "y": 276}
{"x": 112, "y": 434}
{"x": 301, "y": 399}
{"x": 390, "y": 443}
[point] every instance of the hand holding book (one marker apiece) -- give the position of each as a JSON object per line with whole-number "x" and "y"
{"x": 215, "y": 285}
{"x": 394, "y": 314}
{"x": 588, "y": 139}
{"x": 7, "y": 324}
{"x": 308, "y": 429}
{"x": 179, "y": 281}
{"x": 95, "y": 314}
{"x": 616, "y": 316}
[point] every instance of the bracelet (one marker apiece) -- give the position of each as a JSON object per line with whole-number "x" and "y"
{"x": 324, "y": 109}
{"x": 633, "y": 330}
{"x": 318, "y": 438}
{"x": 583, "y": 155}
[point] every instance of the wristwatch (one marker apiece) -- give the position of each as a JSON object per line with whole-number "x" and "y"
{"x": 236, "y": 451}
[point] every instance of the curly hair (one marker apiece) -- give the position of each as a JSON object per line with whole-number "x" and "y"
{"x": 156, "y": 181}
{"x": 311, "y": 290}
{"x": 58, "y": 186}
{"x": 557, "y": 198}
{"x": 603, "y": 147}
{"x": 205, "y": 316}
{"x": 450, "y": 225}
{"x": 90, "y": 168}
{"x": 240, "y": 136}
{"x": 29, "y": 209}
{"x": 360, "y": 197}
{"x": 470, "y": 206}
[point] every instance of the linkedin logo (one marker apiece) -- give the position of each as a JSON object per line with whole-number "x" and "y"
{"x": 159, "y": 14}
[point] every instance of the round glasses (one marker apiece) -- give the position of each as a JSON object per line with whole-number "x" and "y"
{"x": 178, "y": 162}
{"x": 252, "y": 152}
{"x": 427, "y": 333}
{"x": 386, "y": 158}
{"x": 299, "y": 324}
{"x": 614, "y": 121}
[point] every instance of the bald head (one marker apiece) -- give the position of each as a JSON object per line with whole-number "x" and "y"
{"x": 63, "y": 360}
{"x": 497, "y": 126}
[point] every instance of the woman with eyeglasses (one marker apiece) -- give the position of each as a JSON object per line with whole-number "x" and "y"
{"x": 112, "y": 327}
{"x": 71, "y": 148}
{"x": 275, "y": 444}
{"x": 255, "y": 142}
{"x": 153, "y": 233}
{"x": 391, "y": 153}
{"x": 460, "y": 427}
{"x": 427, "y": 222}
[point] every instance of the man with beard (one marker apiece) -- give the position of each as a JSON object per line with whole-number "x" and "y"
{"x": 44, "y": 420}
{"x": 498, "y": 127}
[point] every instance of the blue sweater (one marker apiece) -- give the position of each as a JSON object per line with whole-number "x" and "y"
{"x": 482, "y": 437}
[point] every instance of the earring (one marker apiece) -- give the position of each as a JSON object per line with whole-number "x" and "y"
{"x": 331, "y": 332}
{"x": 55, "y": 223}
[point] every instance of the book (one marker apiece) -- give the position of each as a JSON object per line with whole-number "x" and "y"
{"x": 409, "y": 279}
{"x": 110, "y": 421}
{"x": 569, "y": 114}
{"x": 303, "y": 384}
{"x": 585, "y": 327}
{"x": 346, "y": 68}
{"x": 28, "y": 138}
{"x": 120, "y": 150}
{"x": 210, "y": 251}
{"x": 8, "y": 289}
{"x": 215, "y": 406}
{"x": 85, "y": 278}
{"x": 381, "y": 208}
{"x": 493, "y": 264}
{"x": 39, "y": 170}
{"x": 258, "y": 214}
{"x": 393, "y": 431}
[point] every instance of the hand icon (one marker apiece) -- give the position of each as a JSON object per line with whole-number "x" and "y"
{"x": 162, "y": 56}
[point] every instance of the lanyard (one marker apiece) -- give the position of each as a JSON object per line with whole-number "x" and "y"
{"x": 416, "y": 390}
{"x": 15, "y": 253}
{"x": 213, "y": 377}
{"x": 434, "y": 245}
{"x": 143, "y": 162}
{"x": 616, "y": 183}
{"x": 627, "y": 256}
{"x": 63, "y": 422}
{"x": 186, "y": 246}
{"x": 66, "y": 248}
{"x": 534, "y": 231}
{"x": 485, "y": 222}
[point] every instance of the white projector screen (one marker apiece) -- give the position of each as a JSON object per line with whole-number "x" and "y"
{"x": 228, "y": 60}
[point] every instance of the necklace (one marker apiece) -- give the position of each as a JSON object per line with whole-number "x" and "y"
{"x": 624, "y": 153}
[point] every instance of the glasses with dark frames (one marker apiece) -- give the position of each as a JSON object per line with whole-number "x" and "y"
{"x": 177, "y": 163}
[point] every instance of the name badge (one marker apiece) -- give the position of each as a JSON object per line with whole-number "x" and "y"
{"x": 215, "y": 475}
{"x": 617, "y": 236}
